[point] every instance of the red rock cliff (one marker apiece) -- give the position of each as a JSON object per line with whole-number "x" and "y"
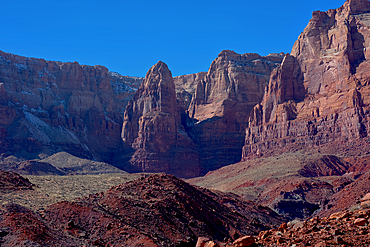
{"x": 152, "y": 126}
{"x": 322, "y": 95}
{"x": 220, "y": 107}
{"x": 48, "y": 106}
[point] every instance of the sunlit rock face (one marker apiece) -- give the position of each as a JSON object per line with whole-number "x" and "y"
{"x": 320, "y": 93}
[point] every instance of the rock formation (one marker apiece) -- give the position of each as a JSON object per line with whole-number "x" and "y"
{"x": 185, "y": 87}
{"x": 188, "y": 82}
{"x": 152, "y": 126}
{"x": 47, "y": 106}
{"x": 319, "y": 95}
{"x": 210, "y": 116}
{"x": 221, "y": 104}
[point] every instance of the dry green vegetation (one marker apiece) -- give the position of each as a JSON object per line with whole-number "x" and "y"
{"x": 52, "y": 189}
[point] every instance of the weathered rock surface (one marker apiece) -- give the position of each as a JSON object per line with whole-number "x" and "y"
{"x": 152, "y": 127}
{"x": 327, "y": 165}
{"x": 222, "y": 101}
{"x": 319, "y": 95}
{"x": 48, "y": 106}
{"x": 188, "y": 82}
{"x": 344, "y": 228}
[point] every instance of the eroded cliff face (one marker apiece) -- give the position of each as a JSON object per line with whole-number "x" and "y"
{"x": 152, "y": 127}
{"x": 222, "y": 101}
{"x": 48, "y": 106}
{"x": 205, "y": 114}
{"x": 319, "y": 95}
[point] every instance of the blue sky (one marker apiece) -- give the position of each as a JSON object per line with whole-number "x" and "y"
{"x": 130, "y": 36}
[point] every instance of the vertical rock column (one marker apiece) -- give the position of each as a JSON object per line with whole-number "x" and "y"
{"x": 152, "y": 127}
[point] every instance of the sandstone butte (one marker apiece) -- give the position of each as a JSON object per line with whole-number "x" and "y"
{"x": 219, "y": 110}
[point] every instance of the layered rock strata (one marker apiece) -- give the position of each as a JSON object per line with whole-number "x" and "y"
{"x": 320, "y": 93}
{"x": 48, "y": 106}
{"x": 222, "y": 101}
{"x": 152, "y": 127}
{"x": 209, "y": 111}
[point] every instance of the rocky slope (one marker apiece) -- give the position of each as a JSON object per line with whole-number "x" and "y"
{"x": 47, "y": 106}
{"x": 178, "y": 214}
{"x": 319, "y": 94}
{"x": 72, "y": 165}
{"x": 295, "y": 185}
{"x": 343, "y": 228}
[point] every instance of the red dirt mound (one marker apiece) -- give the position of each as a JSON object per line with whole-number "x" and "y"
{"x": 11, "y": 181}
{"x": 159, "y": 210}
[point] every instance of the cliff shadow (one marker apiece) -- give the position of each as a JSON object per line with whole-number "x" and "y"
{"x": 356, "y": 56}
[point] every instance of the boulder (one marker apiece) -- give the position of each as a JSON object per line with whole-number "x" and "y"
{"x": 365, "y": 201}
{"x": 244, "y": 241}
{"x": 360, "y": 222}
{"x": 202, "y": 241}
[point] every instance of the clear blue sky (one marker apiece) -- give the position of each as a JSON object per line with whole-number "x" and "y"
{"x": 130, "y": 36}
